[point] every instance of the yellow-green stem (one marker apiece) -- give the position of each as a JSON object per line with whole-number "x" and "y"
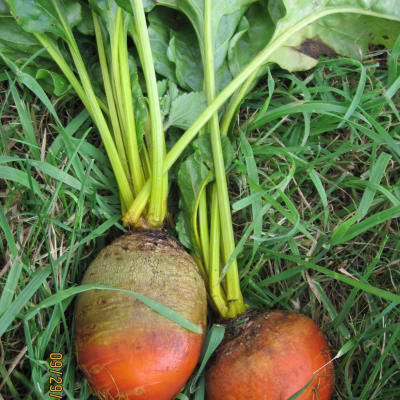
{"x": 109, "y": 94}
{"x": 204, "y": 231}
{"x": 115, "y": 74}
{"x": 132, "y": 149}
{"x": 157, "y": 206}
{"x": 67, "y": 71}
{"x": 216, "y": 292}
{"x": 235, "y": 102}
{"x": 85, "y": 91}
{"x": 200, "y": 213}
{"x": 233, "y": 292}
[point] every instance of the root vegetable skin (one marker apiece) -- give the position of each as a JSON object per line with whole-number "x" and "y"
{"x": 126, "y": 350}
{"x": 276, "y": 354}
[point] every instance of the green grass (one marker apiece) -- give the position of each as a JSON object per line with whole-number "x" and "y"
{"x": 315, "y": 192}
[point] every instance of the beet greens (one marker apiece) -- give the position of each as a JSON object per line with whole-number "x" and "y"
{"x": 165, "y": 72}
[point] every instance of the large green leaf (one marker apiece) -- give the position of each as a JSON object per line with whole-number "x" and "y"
{"x": 107, "y": 11}
{"x": 253, "y": 34}
{"x": 194, "y": 10}
{"x": 335, "y": 27}
{"x": 226, "y": 16}
{"x": 14, "y": 38}
{"x": 202, "y": 147}
{"x": 346, "y": 27}
{"x": 39, "y": 16}
{"x": 298, "y": 10}
{"x": 85, "y": 25}
{"x": 184, "y": 52}
{"x": 139, "y": 102}
{"x": 185, "y": 232}
{"x": 225, "y": 29}
{"x": 192, "y": 174}
{"x": 126, "y": 5}
{"x": 160, "y": 22}
{"x": 21, "y": 46}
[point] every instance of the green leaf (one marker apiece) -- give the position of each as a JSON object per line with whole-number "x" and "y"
{"x": 203, "y": 150}
{"x": 139, "y": 102}
{"x": 186, "y": 108}
{"x": 226, "y": 15}
{"x": 184, "y": 53}
{"x": 25, "y": 117}
{"x": 160, "y": 22}
{"x": 193, "y": 173}
{"x": 191, "y": 176}
{"x": 85, "y": 25}
{"x": 13, "y": 37}
{"x": 125, "y": 4}
{"x": 14, "y": 273}
{"x": 226, "y": 29}
{"x": 170, "y": 92}
{"x": 276, "y": 10}
{"x": 24, "y": 49}
{"x": 39, "y": 16}
{"x": 162, "y": 87}
{"x": 107, "y": 10}
{"x": 299, "y": 392}
{"x": 59, "y": 83}
{"x": 194, "y": 10}
{"x": 223, "y": 76}
{"x": 148, "y": 5}
{"x": 296, "y": 11}
{"x": 254, "y": 32}
{"x": 184, "y": 229}
{"x": 351, "y": 35}
{"x": 334, "y": 26}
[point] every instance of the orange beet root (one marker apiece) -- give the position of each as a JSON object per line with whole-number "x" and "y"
{"x": 275, "y": 355}
{"x": 126, "y": 350}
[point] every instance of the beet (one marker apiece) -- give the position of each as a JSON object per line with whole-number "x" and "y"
{"x": 127, "y": 350}
{"x": 273, "y": 355}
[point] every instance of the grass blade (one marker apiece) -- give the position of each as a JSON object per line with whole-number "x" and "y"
{"x": 154, "y": 305}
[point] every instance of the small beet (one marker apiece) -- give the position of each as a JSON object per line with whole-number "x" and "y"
{"x": 126, "y": 350}
{"x": 275, "y": 355}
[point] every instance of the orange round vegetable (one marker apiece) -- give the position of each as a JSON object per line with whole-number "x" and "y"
{"x": 127, "y": 350}
{"x": 275, "y": 355}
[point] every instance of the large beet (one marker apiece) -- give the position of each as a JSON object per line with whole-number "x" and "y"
{"x": 127, "y": 350}
{"x": 275, "y": 354}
